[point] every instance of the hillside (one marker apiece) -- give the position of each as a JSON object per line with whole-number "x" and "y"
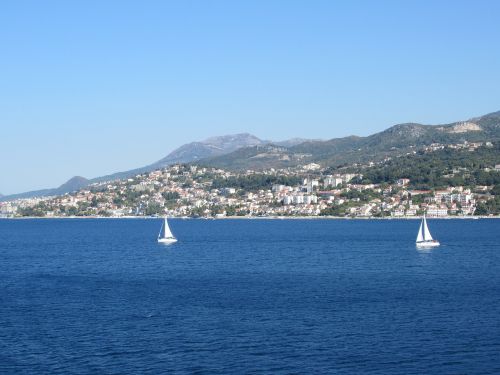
{"x": 195, "y": 151}
{"x": 208, "y": 148}
{"x": 73, "y": 184}
{"x": 439, "y": 169}
{"x": 245, "y": 151}
{"x": 190, "y": 152}
{"x": 397, "y": 140}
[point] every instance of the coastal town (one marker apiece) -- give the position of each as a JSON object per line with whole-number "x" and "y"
{"x": 186, "y": 190}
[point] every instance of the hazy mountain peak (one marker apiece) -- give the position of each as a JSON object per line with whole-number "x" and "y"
{"x": 74, "y": 183}
{"x": 294, "y": 141}
{"x": 231, "y": 139}
{"x": 394, "y": 141}
{"x": 246, "y": 151}
{"x": 213, "y": 146}
{"x": 406, "y": 130}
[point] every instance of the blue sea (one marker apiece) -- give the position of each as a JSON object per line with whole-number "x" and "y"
{"x": 101, "y": 296}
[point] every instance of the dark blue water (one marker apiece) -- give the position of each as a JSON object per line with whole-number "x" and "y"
{"x": 249, "y": 296}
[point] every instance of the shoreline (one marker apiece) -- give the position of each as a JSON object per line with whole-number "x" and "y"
{"x": 250, "y": 218}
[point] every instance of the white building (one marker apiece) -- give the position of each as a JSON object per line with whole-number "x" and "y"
{"x": 228, "y": 191}
{"x": 332, "y": 181}
{"x": 437, "y": 211}
{"x": 298, "y": 199}
{"x": 278, "y": 188}
{"x": 310, "y": 184}
{"x": 402, "y": 181}
{"x": 311, "y": 167}
{"x": 310, "y": 199}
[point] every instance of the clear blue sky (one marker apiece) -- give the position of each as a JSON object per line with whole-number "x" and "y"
{"x": 94, "y": 87}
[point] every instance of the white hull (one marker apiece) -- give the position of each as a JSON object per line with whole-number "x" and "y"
{"x": 427, "y": 244}
{"x": 167, "y": 240}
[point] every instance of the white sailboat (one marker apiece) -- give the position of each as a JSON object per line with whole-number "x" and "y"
{"x": 424, "y": 238}
{"x": 165, "y": 235}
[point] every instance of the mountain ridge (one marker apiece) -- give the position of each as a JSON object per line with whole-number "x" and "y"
{"x": 246, "y": 151}
{"x": 73, "y": 184}
{"x": 189, "y": 152}
{"x": 395, "y": 140}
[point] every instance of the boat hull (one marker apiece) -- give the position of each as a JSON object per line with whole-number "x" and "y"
{"x": 427, "y": 244}
{"x": 167, "y": 240}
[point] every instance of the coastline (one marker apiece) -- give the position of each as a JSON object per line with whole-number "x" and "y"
{"x": 251, "y": 218}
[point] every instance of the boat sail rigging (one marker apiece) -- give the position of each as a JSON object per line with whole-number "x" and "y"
{"x": 424, "y": 237}
{"x": 165, "y": 235}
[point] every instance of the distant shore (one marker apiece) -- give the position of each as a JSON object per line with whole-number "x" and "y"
{"x": 253, "y": 217}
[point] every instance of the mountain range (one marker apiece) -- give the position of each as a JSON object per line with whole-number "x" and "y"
{"x": 73, "y": 184}
{"x": 188, "y": 153}
{"x": 396, "y": 140}
{"x": 245, "y": 151}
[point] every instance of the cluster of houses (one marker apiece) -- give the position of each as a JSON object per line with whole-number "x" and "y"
{"x": 188, "y": 191}
{"x": 439, "y": 203}
{"x": 182, "y": 190}
{"x": 471, "y": 146}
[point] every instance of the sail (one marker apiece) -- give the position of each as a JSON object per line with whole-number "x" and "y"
{"x": 420, "y": 236}
{"x": 427, "y": 234}
{"x": 167, "y": 233}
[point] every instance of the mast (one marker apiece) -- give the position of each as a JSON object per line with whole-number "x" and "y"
{"x": 159, "y": 234}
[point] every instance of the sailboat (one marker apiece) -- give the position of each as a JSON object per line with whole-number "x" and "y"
{"x": 165, "y": 235}
{"x": 424, "y": 238}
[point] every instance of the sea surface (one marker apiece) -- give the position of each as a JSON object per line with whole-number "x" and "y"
{"x": 101, "y": 296}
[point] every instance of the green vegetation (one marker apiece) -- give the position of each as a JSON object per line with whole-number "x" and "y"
{"x": 38, "y": 210}
{"x": 488, "y": 207}
{"x": 363, "y": 196}
{"x": 392, "y": 142}
{"x": 339, "y": 210}
{"x": 448, "y": 167}
{"x": 170, "y": 195}
{"x": 254, "y": 182}
{"x": 154, "y": 208}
